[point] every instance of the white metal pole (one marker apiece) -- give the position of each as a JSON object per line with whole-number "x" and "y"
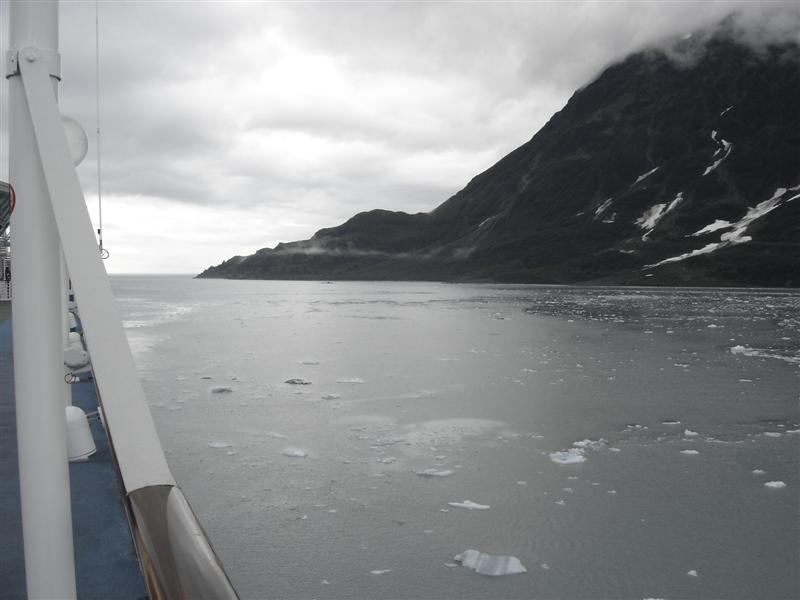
{"x": 37, "y": 326}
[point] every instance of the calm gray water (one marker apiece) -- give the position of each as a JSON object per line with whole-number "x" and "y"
{"x": 486, "y": 382}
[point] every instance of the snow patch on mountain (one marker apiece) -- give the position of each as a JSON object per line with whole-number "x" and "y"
{"x": 723, "y": 146}
{"x": 655, "y": 213}
{"x": 601, "y": 209}
{"x": 644, "y": 176}
{"x": 715, "y": 226}
{"x": 738, "y": 229}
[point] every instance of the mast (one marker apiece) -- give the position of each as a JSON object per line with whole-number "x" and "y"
{"x": 37, "y": 314}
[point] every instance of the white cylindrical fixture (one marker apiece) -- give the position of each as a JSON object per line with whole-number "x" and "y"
{"x": 38, "y": 335}
{"x": 80, "y": 444}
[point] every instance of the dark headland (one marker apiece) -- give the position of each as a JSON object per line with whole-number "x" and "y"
{"x": 678, "y": 167}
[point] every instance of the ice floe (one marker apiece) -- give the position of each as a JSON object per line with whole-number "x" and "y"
{"x": 330, "y": 396}
{"x": 435, "y": 473}
{"x": 297, "y": 381}
{"x": 219, "y": 444}
{"x": 775, "y": 484}
{"x": 758, "y": 471}
{"x": 772, "y": 433}
{"x": 671, "y": 422}
{"x": 220, "y": 389}
{"x": 488, "y": 564}
{"x": 469, "y": 505}
{"x": 568, "y": 457}
{"x": 592, "y": 444}
{"x": 293, "y": 452}
{"x": 380, "y": 571}
{"x": 689, "y": 433}
{"x": 350, "y": 380}
{"x": 689, "y": 452}
{"x": 692, "y": 573}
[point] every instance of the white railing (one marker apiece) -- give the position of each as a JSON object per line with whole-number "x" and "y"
{"x": 50, "y": 219}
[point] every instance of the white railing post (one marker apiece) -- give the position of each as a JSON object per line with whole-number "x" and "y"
{"x": 37, "y": 326}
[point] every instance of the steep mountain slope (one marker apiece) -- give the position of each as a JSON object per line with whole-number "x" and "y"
{"x": 675, "y": 171}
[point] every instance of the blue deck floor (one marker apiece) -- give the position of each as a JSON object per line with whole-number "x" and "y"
{"x": 105, "y": 560}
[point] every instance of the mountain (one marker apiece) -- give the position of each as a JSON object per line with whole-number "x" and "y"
{"x": 673, "y": 167}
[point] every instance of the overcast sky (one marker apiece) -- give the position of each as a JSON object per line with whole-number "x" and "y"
{"x": 229, "y": 127}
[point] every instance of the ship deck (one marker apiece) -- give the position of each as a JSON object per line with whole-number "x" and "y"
{"x": 106, "y": 565}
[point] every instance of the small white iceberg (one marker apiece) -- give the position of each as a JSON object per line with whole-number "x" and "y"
{"x": 487, "y": 564}
{"x": 350, "y": 380}
{"x": 380, "y": 571}
{"x": 689, "y": 452}
{"x": 568, "y": 457}
{"x": 587, "y": 443}
{"x": 469, "y": 505}
{"x": 219, "y": 444}
{"x": 294, "y": 452}
{"x": 297, "y": 381}
{"x": 775, "y": 484}
{"x": 689, "y": 433}
{"x": 435, "y": 473}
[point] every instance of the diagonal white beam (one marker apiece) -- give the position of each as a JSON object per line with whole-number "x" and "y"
{"x": 132, "y": 431}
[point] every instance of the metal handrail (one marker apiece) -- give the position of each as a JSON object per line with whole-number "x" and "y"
{"x": 176, "y": 556}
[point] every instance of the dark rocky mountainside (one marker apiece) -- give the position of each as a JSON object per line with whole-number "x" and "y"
{"x": 664, "y": 171}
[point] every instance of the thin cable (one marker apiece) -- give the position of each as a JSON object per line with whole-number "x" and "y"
{"x": 103, "y": 251}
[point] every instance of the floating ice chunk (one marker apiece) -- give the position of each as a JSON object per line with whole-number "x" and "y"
{"x": 692, "y": 573}
{"x": 775, "y": 484}
{"x": 220, "y": 389}
{"x": 772, "y": 433}
{"x": 469, "y": 505}
{"x": 350, "y": 380}
{"x": 309, "y": 362}
{"x": 435, "y": 472}
{"x": 324, "y": 582}
{"x": 219, "y": 444}
{"x": 522, "y": 483}
{"x": 689, "y": 433}
{"x": 297, "y": 381}
{"x": 568, "y": 457}
{"x": 689, "y": 452}
{"x": 487, "y": 564}
{"x": 387, "y": 460}
{"x": 292, "y": 452}
{"x": 793, "y": 431}
{"x": 587, "y": 443}
{"x": 274, "y": 434}
{"x": 545, "y": 566}
{"x": 758, "y": 471}
{"x": 381, "y": 571}
{"x": 331, "y": 396}
{"x": 671, "y": 422}
{"x": 560, "y": 502}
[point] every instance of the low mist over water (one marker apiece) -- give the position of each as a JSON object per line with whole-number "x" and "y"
{"x": 350, "y": 439}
